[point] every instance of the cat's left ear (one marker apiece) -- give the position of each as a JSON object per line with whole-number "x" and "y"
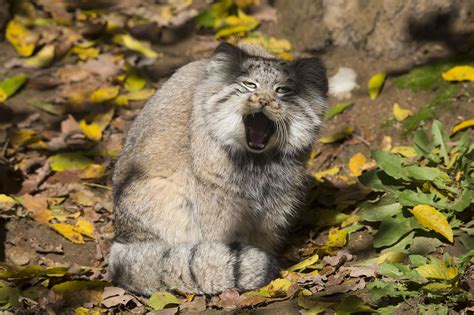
{"x": 311, "y": 73}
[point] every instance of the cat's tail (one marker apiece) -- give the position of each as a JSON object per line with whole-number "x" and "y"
{"x": 202, "y": 268}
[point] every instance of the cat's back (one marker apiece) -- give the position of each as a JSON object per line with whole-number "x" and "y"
{"x": 158, "y": 141}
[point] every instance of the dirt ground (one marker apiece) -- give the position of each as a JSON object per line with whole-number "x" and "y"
{"x": 26, "y": 242}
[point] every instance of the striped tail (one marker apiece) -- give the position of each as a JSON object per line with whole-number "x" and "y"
{"x": 201, "y": 268}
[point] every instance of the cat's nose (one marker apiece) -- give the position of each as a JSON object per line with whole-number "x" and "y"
{"x": 264, "y": 102}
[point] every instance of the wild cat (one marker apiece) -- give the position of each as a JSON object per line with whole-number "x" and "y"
{"x": 213, "y": 173}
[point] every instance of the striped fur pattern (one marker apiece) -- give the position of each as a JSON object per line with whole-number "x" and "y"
{"x": 197, "y": 209}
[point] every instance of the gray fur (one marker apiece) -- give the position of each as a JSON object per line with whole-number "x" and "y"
{"x": 197, "y": 209}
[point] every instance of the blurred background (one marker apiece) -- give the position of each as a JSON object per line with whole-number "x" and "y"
{"x": 75, "y": 73}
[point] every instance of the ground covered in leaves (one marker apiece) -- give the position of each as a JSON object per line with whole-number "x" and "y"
{"x": 389, "y": 225}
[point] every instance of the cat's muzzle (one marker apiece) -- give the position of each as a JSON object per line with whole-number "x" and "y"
{"x": 258, "y": 130}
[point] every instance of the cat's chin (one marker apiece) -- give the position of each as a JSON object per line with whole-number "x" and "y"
{"x": 259, "y": 130}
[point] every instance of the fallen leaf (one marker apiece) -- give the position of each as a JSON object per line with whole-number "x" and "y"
{"x": 320, "y": 175}
{"x": 38, "y": 206}
{"x": 85, "y": 228}
{"x": 42, "y": 59}
{"x": 160, "y": 300}
{"x": 104, "y": 94}
{"x": 304, "y": 264}
{"x": 434, "y": 220}
{"x": 337, "y": 237}
{"x": 69, "y": 161}
{"x": 386, "y": 143}
{"x": 390, "y": 257}
{"x": 131, "y": 43}
{"x": 375, "y": 85}
{"x": 277, "y": 288}
{"x": 336, "y": 110}
{"x": 240, "y": 24}
{"x": 140, "y": 95}
{"x": 92, "y": 131}
{"x": 356, "y": 163}
{"x": 68, "y": 231}
{"x": 401, "y": 114}
{"x": 134, "y": 82}
{"x": 462, "y": 126}
{"x": 406, "y": 151}
{"x": 85, "y": 53}
{"x": 21, "y": 38}
{"x": 338, "y": 136}
{"x": 10, "y": 86}
{"x": 437, "y": 271}
{"x": 93, "y": 171}
{"x": 278, "y": 47}
{"x": 459, "y": 73}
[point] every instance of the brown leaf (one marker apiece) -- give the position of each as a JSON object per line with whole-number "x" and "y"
{"x": 38, "y": 206}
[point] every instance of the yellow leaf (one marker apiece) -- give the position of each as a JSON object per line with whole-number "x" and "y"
{"x": 120, "y": 100}
{"x": 351, "y": 219}
{"x": 401, "y": 114}
{"x": 332, "y": 171}
{"x": 337, "y": 237}
{"x": 432, "y": 219}
{"x": 240, "y": 24}
{"x": 85, "y": 53}
{"x": 21, "y": 38}
{"x": 91, "y": 131}
{"x": 276, "y": 288}
{"x": 304, "y": 264}
{"x": 337, "y": 136}
{"x": 6, "y": 199}
{"x": 134, "y": 82}
{"x": 459, "y": 73}
{"x": 93, "y": 171}
{"x": 23, "y": 136}
{"x": 386, "y": 143}
{"x": 375, "y": 85}
{"x": 69, "y": 161}
{"x": 391, "y": 257}
{"x": 437, "y": 287}
{"x": 140, "y": 95}
{"x": 9, "y": 86}
{"x": 42, "y": 59}
{"x": 104, "y": 94}
{"x": 131, "y": 43}
{"x": 356, "y": 163}
{"x": 69, "y": 232}
{"x": 271, "y": 44}
{"x": 437, "y": 271}
{"x": 462, "y": 125}
{"x": 405, "y": 151}
{"x": 85, "y": 228}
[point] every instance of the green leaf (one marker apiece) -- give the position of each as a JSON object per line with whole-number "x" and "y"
{"x": 418, "y": 260}
{"x": 375, "y": 84}
{"x": 9, "y": 86}
{"x": 424, "y": 245}
{"x": 392, "y": 229}
{"x": 422, "y": 78}
{"x": 463, "y": 201}
{"x": 378, "y": 180}
{"x": 160, "y": 300}
{"x": 77, "y": 285}
{"x": 390, "y": 163}
{"x": 386, "y": 207}
{"x": 8, "y": 296}
{"x": 439, "y": 138}
{"x": 433, "y": 309}
{"x": 352, "y": 304}
{"x": 336, "y": 110}
{"x": 423, "y": 173}
{"x": 69, "y": 161}
{"x": 411, "y": 198}
{"x": 422, "y": 144}
{"x": 467, "y": 241}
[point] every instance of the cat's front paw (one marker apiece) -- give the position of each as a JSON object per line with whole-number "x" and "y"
{"x": 255, "y": 268}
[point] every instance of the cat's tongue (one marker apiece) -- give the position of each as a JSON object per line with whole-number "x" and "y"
{"x": 258, "y": 130}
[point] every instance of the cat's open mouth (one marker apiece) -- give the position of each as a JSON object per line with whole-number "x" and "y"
{"x": 258, "y": 129}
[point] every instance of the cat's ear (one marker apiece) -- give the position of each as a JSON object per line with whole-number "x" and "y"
{"x": 311, "y": 73}
{"x": 228, "y": 58}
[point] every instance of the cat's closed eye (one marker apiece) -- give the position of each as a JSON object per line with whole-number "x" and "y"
{"x": 249, "y": 85}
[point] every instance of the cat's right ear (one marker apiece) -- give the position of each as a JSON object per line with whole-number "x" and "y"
{"x": 228, "y": 58}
